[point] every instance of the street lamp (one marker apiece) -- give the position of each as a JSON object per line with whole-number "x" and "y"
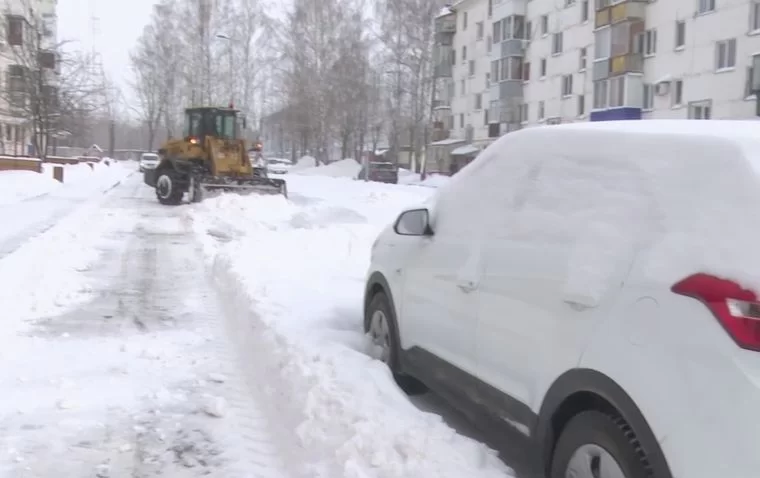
{"x": 228, "y": 39}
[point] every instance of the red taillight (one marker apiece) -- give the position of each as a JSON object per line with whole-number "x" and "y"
{"x": 737, "y": 309}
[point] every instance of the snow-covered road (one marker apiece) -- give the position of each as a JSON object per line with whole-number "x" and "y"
{"x": 215, "y": 339}
{"x": 141, "y": 379}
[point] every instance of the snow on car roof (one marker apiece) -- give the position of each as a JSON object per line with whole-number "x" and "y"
{"x": 680, "y": 195}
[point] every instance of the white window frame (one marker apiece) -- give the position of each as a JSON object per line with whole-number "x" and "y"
{"x": 541, "y": 111}
{"x": 478, "y": 101}
{"x": 617, "y": 91}
{"x": 603, "y": 44}
{"x": 754, "y": 16}
{"x": 676, "y": 95}
{"x": 680, "y": 37}
{"x": 705, "y": 6}
{"x": 700, "y": 110}
{"x": 567, "y": 86}
{"x": 544, "y": 25}
{"x": 471, "y": 67}
{"x": 524, "y": 112}
{"x": 748, "y": 94}
{"x": 582, "y": 59}
{"x": 725, "y": 55}
{"x": 480, "y": 31}
{"x": 581, "y": 106}
{"x": 647, "y": 97}
{"x": 600, "y": 95}
{"x": 543, "y": 68}
{"x": 584, "y": 11}
{"x": 557, "y": 43}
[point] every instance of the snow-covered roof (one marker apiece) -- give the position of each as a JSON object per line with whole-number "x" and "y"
{"x": 467, "y": 149}
{"x": 444, "y": 12}
{"x": 665, "y": 79}
{"x": 447, "y": 142}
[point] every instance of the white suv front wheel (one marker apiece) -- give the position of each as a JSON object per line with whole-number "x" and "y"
{"x": 596, "y": 445}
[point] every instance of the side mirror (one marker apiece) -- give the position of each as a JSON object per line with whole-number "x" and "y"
{"x": 415, "y": 222}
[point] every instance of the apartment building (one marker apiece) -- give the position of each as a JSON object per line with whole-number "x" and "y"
{"x": 555, "y": 61}
{"x": 27, "y": 25}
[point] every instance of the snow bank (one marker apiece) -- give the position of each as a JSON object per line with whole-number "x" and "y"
{"x": 43, "y": 277}
{"x": 304, "y": 163}
{"x": 16, "y": 186}
{"x": 347, "y": 168}
{"x": 300, "y": 265}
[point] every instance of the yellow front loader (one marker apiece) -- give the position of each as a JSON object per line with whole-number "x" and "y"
{"x": 211, "y": 156}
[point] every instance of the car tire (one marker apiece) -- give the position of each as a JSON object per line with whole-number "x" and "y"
{"x": 380, "y": 306}
{"x": 591, "y": 439}
{"x": 168, "y": 192}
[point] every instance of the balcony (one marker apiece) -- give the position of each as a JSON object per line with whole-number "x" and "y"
{"x": 446, "y": 24}
{"x": 630, "y": 63}
{"x": 627, "y": 11}
{"x": 602, "y": 18}
{"x": 600, "y": 69}
{"x": 443, "y": 70}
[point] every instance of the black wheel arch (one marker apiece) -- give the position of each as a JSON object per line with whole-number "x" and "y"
{"x": 377, "y": 283}
{"x": 583, "y": 389}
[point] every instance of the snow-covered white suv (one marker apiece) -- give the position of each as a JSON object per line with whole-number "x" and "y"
{"x": 593, "y": 286}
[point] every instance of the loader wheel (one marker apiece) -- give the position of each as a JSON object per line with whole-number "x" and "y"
{"x": 168, "y": 191}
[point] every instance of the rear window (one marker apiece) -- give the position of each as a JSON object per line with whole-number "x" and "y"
{"x": 383, "y": 166}
{"x": 150, "y": 156}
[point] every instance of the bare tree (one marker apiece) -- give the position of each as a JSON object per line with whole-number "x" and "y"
{"x": 45, "y": 83}
{"x": 149, "y": 84}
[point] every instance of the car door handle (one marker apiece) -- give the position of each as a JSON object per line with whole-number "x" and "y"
{"x": 467, "y": 286}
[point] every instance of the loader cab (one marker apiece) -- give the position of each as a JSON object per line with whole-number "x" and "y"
{"x": 222, "y": 123}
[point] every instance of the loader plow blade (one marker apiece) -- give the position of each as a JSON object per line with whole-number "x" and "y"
{"x": 246, "y": 186}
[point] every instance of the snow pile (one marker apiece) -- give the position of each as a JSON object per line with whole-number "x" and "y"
{"x": 300, "y": 265}
{"x": 347, "y": 168}
{"x": 17, "y": 186}
{"x": 43, "y": 277}
{"x": 304, "y": 163}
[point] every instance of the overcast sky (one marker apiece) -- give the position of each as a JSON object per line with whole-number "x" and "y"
{"x": 120, "y": 24}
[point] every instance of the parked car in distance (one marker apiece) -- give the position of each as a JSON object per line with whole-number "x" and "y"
{"x": 148, "y": 161}
{"x": 594, "y": 287}
{"x": 380, "y": 171}
{"x": 279, "y": 165}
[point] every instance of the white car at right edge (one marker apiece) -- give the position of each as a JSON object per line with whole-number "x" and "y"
{"x": 594, "y": 286}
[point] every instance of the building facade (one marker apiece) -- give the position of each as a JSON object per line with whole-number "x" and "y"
{"x": 558, "y": 61}
{"x": 27, "y": 40}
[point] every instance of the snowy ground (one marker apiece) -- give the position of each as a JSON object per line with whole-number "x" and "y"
{"x": 214, "y": 339}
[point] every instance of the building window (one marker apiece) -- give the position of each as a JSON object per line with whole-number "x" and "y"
{"x": 557, "y": 43}
{"x": 528, "y": 30}
{"x": 489, "y": 44}
{"x": 46, "y": 59}
{"x": 471, "y": 67}
{"x": 524, "y": 113}
{"x": 648, "y": 100}
{"x": 584, "y": 11}
{"x": 677, "y": 94}
{"x": 488, "y": 79}
{"x": 464, "y": 54}
{"x": 497, "y": 32}
{"x": 480, "y": 30}
{"x": 461, "y": 120}
{"x": 464, "y": 21}
{"x": 725, "y": 54}
{"x": 582, "y": 58}
{"x": 495, "y": 71}
{"x": 15, "y": 30}
{"x": 526, "y": 71}
{"x": 748, "y": 86}
{"x": 603, "y": 43}
{"x": 478, "y": 101}
{"x": 680, "y": 34}
{"x": 646, "y": 42}
{"x": 754, "y": 16}
{"x": 543, "y": 68}
{"x": 705, "y": 6}
{"x": 541, "y": 110}
{"x": 567, "y": 85}
{"x": 463, "y": 88}
{"x": 569, "y": 3}
{"x": 701, "y": 110}
{"x": 581, "y": 105}
{"x": 544, "y": 25}
{"x": 511, "y": 68}
{"x": 513, "y": 28}
{"x": 617, "y": 92}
